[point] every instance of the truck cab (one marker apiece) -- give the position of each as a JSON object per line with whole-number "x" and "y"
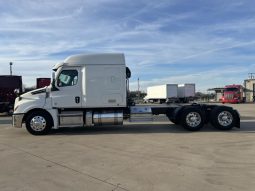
{"x": 233, "y": 94}
{"x": 81, "y": 84}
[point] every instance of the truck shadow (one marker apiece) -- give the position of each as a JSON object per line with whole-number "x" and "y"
{"x": 246, "y": 127}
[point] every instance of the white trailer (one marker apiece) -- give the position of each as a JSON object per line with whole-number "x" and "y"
{"x": 91, "y": 90}
{"x": 186, "y": 92}
{"x": 162, "y": 93}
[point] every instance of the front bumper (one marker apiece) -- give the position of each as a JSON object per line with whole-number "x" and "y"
{"x": 230, "y": 100}
{"x": 17, "y": 120}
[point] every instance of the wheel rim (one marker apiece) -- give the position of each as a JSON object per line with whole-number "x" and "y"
{"x": 193, "y": 119}
{"x": 225, "y": 118}
{"x": 38, "y": 123}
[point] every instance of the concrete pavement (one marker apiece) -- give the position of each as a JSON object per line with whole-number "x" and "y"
{"x": 156, "y": 156}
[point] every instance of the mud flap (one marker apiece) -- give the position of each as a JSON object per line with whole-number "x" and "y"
{"x": 237, "y": 116}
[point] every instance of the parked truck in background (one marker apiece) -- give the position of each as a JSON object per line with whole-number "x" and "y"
{"x": 8, "y": 84}
{"x": 42, "y": 82}
{"x": 186, "y": 92}
{"x": 91, "y": 90}
{"x": 161, "y": 93}
{"x": 233, "y": 94}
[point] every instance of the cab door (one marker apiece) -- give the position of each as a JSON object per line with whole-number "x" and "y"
{"x": 68, "y": 88}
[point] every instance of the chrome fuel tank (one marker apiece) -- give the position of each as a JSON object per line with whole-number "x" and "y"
{"x": 108, "y": 118}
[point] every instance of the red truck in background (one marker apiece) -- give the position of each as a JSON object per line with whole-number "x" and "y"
{"x": 8, "y": 84}
{"x": 42, "y": 82}
{"x": 233, "y": 94}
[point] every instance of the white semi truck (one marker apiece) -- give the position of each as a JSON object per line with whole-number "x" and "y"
{"x": 91, "y": 90}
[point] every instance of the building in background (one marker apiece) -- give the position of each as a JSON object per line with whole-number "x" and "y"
{"x": 249, "y": 85}
{"x": 218, "y": 93}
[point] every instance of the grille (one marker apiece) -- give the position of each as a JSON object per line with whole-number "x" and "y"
{"x": 229, "y": 96}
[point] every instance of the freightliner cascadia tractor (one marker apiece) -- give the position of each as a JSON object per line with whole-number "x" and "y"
{"x": 91, "y": 90}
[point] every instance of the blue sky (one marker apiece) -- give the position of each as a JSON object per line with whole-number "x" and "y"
{"x": 210, "y": 43}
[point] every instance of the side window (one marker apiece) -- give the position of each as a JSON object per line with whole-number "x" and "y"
{"x": 67, "y": 78}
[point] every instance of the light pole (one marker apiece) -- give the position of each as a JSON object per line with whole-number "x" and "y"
{"x": 11, "y": 68}
{"x": 138, "y": 92}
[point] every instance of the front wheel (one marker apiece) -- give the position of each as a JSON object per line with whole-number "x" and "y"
{"x": 223, "y": 118}
{"x": 10, "y": 112}
{"x": 192, "y": 119}
{"x": 38, "y": 123}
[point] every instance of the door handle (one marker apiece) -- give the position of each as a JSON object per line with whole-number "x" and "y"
{"x": 77, "y": 99}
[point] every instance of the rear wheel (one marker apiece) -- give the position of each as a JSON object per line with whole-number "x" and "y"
{"x": 38, "y": 123}
{"x": 223, "y": 118}
{"x": 192, "y": 119}
{"x": 174, "y": 121}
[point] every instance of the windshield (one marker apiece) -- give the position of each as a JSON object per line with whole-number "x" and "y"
{"x": 230, "y": 89}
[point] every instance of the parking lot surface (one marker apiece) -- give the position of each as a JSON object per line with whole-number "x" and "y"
{"x": 154, "y": 156}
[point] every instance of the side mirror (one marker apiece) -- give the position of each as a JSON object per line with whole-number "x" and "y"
{"x": 53, "y": 76}
{"x": 128, "y": 73}
{"x": 16, "y": 92}
{"x": 53, "y": 86}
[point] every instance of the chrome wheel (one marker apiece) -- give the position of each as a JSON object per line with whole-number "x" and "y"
{"x": 193, "y": 119}
{"x": 225, "y": 118}
{"x": 38, "y": 123}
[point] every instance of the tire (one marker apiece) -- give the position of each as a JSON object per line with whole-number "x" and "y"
{"x": 10, "y": 112}
{"x": 223, "y": 118}
{"x": 161, "y": 101}
{"x": 192, "y": 119}
{"x": 173, "y": 116}
{"x": 43, "y": 120}
{"x": 174, "y": 121}
{"x": 9, "y": 109}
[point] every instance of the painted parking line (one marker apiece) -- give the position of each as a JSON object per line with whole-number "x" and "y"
{"x": 248, "y": 120}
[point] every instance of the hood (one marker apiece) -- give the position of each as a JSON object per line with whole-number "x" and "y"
{"x": 39, "y": 91}
{"x": 34, "y": 93}
{"x": 30, "y": 100}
